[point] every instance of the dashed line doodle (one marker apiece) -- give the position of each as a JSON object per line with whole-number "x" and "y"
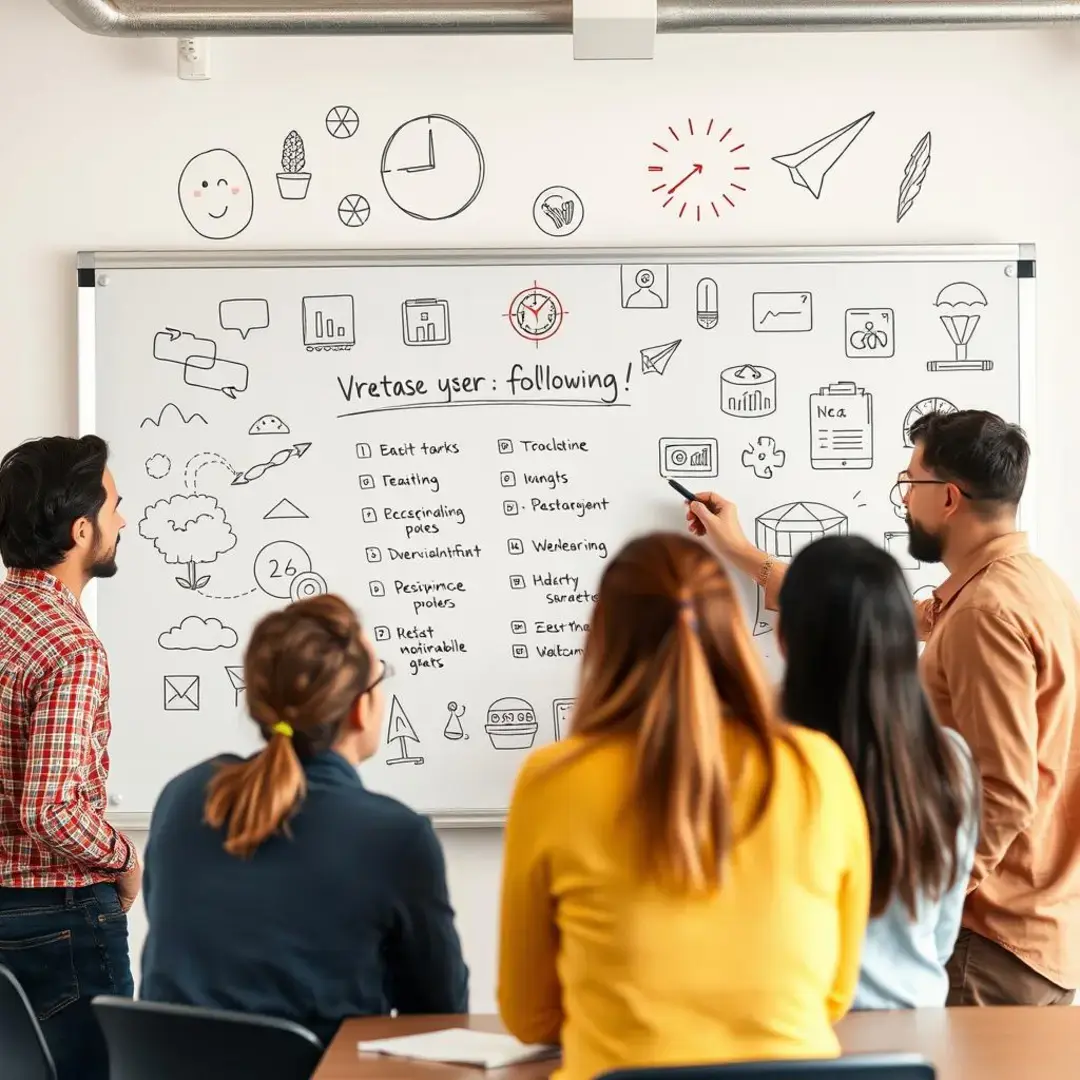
{"x": 202, "y": 461}
{"x": 158, "y": 466}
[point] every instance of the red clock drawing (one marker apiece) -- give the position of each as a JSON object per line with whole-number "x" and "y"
{"x": 698, "y": 169}
{"x": 536, "y": 313}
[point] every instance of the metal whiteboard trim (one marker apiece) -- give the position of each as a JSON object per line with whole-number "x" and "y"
{"x": 466, "y": 819}
{"x": 86, "y": 388}
{"x": 283, "y": 259}
{"x": 1027, "y": 347}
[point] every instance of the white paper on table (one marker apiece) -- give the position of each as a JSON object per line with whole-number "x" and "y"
{"x": 460, "y": 1046}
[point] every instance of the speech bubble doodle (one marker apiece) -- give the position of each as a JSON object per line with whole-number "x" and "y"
{"x": 244, "y": 315}
{"x": 227, "y": 376}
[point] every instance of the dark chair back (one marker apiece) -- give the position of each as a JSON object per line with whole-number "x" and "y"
{"x": 176, "y": 1042}
{"x": 22, "y": 1046}
{"x": 852, "y": 1067}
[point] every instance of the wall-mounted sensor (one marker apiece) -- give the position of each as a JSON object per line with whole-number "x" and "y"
{"x": 708, "y": 304}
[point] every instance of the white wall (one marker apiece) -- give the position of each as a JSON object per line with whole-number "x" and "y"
{"x": 93, "y": 134}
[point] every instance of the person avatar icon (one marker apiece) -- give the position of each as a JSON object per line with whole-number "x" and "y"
{"x": 453, "y": 729}
{"x": 644, "y": 296}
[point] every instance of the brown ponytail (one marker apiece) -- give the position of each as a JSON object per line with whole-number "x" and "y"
{"x": 304, "y": 669}
{"x": 669, "y": 660}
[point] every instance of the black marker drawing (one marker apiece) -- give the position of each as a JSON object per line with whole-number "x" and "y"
{"x": 897, "y": 545}
{"x": 869, "y": 332}
{"x": 783, "y": 312}
{"x": 235, "y": 675}
{"x": 353, "y": 211}
{"x": 453, "y": 729}
{"x": 278, "y": 565}
{"x": 688, "y": 457}
{"x": 763, "y": 456}
{"x": 269, "y": 425}
{"x": 961, "y": 305}
{"x": 748, "y": 390}
{"x": 511, "y": 724}
{"x": 227, "y": 376}
{"x": 204, "y": 460}
{"x": 179, "y": 346}
{"x": 205, "y": 635}
{"x": 923, "y": 592}
{"x": 536, "y": 313}
{"x": 286, "y": 453}
{"x": 561, "y": 709}
{"x": 293, "y": 181}
{"x": 188, "y": 530}
{"x": 399, "y": 729}
{"x": 425, "y": 322}
{"x": 158, "y": 466}
{"x": 215, "y": 194}
{"x": 558, "y": 211}
{"x": 181, "y": 693}
{"x": 306, "y": 585}
{"x": 342, "y": 122}
{"x": 168, "y": 412}
{"x": 898, "y": 507}
{"x": 809, "y": 166}
{"x": 244, "y": 315}
{"x": 329, "y": 322}
{"x": 708, "y": 304}
{"x": 644, "y": 286}
{"x": 432, "y": 168}
{"x": 200, "y": 361}
{"x": 914, "y": 175}
{"x": 784, "y": 530}
{"x": 921, "y": 408}
{"x": 655, "y": 358}
{"x": 285, "y": 510}
{"x": 842, "y": 427}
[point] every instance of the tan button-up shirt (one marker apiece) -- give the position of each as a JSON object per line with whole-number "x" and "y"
{"x": 1002, "y": 667}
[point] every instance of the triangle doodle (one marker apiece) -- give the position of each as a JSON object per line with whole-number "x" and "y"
{"x": 284, "y": 509}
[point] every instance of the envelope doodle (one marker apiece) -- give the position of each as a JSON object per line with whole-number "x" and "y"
{"x": 181, "y": 693}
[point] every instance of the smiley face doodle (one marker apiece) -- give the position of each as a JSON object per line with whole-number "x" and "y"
{"x": 215, "y": 194}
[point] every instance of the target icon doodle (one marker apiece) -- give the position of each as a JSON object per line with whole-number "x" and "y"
{"x": 342, "y": 122}
{"x": 306, "y": 585}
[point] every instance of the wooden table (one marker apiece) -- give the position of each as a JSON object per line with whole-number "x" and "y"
{"x": 963, "y": 1044}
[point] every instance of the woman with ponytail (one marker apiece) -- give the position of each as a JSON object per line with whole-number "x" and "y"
{"x": 277, "y": 883}
{"x": 686, "y": 879}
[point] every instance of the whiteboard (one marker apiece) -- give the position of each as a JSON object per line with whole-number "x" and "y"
{"x": 458, "y": 442}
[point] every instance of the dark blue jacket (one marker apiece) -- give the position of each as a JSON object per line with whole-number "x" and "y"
{"x": 348, "y": 916}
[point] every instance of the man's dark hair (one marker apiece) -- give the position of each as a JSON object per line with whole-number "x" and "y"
{"x": 979, "y": 452}
{"x": 46, "y": 485}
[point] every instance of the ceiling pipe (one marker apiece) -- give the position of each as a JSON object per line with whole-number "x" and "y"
{"x": 202, "y": 18}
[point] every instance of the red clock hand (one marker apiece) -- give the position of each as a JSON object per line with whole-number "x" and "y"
{"x": 693, "y": 172}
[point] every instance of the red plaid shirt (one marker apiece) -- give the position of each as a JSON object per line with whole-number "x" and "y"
{"x": 54, "y": 733}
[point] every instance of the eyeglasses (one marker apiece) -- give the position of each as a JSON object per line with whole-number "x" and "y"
{"x": 904, "y": 484}
{"x": 385, "y": 672}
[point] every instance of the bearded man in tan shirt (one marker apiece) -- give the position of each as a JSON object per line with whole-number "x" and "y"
{"x": 1002, "y": 667}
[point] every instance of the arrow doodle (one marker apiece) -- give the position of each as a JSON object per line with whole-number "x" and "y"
{"x": 199, "y": 462}
{"x": 297, "y": 451}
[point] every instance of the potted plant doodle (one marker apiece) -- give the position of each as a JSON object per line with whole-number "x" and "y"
{"x": 292, "y": 181}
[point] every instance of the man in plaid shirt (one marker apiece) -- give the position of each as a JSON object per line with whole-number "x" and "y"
{"x": 67, "y": 877}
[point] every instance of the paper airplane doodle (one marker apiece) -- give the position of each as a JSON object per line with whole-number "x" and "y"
{"x": 655, "y": 359}
{"x": 200, "y": 361}
{"x": 283, "y": 455}
{"x": 809, "y": 166}
{"x": 236, "y": 680}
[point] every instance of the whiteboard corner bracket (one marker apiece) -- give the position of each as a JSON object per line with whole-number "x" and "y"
{"x": 614, "y": 29}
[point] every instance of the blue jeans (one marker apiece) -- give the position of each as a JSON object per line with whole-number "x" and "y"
{"x": 65, "y": 946}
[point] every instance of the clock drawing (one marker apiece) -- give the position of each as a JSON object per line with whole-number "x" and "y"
{"x": 698, "y": 169}
{"x": 432, "y": 168}
{"x": 536, "y": 313}
{"x": 921, "y": 408}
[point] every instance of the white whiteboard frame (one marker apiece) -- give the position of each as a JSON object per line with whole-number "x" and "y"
{"x": 93, "y": 267}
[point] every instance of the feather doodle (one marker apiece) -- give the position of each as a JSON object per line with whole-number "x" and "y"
{"x": 914, "y": 175}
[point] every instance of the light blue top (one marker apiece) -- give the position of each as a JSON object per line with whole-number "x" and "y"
{"x": 903, "y": 961}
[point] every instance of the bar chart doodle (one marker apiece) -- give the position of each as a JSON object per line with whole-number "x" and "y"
{"x": 425, "y": 322}
{"x": 748, "y": 390}
{"x": 329, "y": 322}
{"x": 688, "y": 457}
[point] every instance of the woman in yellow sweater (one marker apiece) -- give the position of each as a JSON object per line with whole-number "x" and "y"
{"x": 686, "y": 879}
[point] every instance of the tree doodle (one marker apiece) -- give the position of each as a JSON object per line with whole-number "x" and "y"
{"x": 189, "y": 530}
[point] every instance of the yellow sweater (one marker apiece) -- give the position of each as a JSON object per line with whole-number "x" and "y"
{"x": 623, "y": 974}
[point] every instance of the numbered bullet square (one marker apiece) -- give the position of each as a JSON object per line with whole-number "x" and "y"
{"x": 515, "y": 547}
{"x": 517, "y": 626}
{"x": 367, "y": 481}
{"x": 507, "y": 479}
{"x": 517, "y": 581}
{"x": 510, "y": 508}
{"x": 519, "y": 652}
{"x": 506, "y": 446}
{"x": 363, "y": 450}
{"x": 373, "y": 554}
{"x": 377, "y": 588}
{"x": 368, "y": 514}
{"x": 382, "y": 633}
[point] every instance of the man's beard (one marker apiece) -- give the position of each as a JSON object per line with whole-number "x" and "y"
{"x": 923, "y": 546}
{"x": 103, "y": 564}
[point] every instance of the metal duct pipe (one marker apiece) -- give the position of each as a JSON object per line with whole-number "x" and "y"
{"x": 201, "y": 18}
